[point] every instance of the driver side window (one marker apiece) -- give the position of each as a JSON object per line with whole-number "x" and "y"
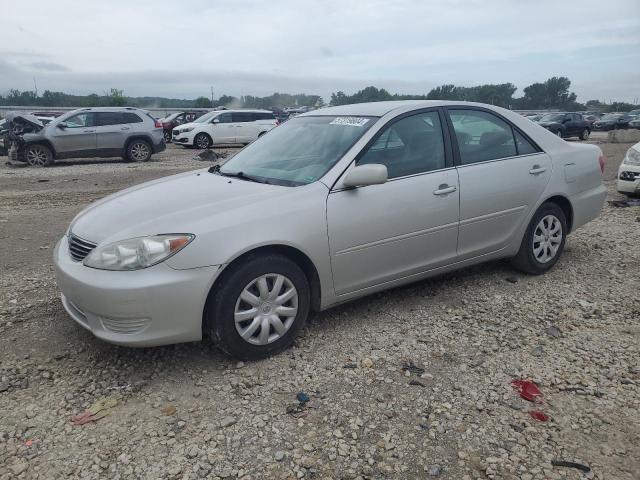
{"x": 224, "y": 118}
{"x": 81, "y": 120}
{"x": 409, "y": 146}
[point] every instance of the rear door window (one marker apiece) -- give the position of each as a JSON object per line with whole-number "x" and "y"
{"x": 129, "y": 117}
{"x": 108, "y": 118}
{"x": 481, "y": 136}
{"x": 241, "y": 117}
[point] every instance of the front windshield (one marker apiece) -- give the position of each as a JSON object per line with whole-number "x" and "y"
{"x": 611, "y": 116}
{"x": 299, "y": 151}
{"x": 206, "y": 117}
{"x": 552, "y": 117}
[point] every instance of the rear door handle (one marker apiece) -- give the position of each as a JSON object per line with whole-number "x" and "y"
{"x": 88, "y": 131}
{"x": 537, "y": 169}
{"x": 125, "y": 128}
{"x": 444, "y": 189}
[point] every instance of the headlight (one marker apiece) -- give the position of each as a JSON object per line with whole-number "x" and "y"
{"x": 185, "y": 130}
{"x": 632, "y": 157}
{"x": 137, "y": 253}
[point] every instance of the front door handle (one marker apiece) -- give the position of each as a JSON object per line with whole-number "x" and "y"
{"x": 537, "y": 169}
{"x": 444, "y": 189}
{"x": 88, "y": 131}
{"x": 125, "y": 128}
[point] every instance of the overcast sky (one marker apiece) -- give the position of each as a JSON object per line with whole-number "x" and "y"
{"x": 180, "y": 48}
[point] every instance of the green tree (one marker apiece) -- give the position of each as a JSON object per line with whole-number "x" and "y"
{"x": 202, "y": 102}
{"x": 116, "y": 98}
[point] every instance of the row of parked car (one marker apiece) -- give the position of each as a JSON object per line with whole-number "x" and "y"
{"x": 581, "y": 124}
{"x": 222, "y": 126}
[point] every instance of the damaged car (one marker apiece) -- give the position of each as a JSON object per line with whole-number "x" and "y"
{"x": 126, "y": 132}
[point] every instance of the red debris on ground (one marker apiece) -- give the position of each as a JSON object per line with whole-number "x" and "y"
{"x": 528, "y": 390}
{"x": 538, "y": 415}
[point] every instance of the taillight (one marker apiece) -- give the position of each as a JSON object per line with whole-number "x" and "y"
{"x": 158, "y": 124}
{"x": 601, "y": 162}
{"x": 277, "y": 122}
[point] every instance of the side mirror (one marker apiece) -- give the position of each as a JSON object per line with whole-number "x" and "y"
{"x": 62, "y": 125}
{"x": 215, "y": 120}
{"x": 364, "y": 175}
{"x": 566, "y": 120}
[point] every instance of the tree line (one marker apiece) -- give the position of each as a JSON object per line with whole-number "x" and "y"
{"x": 553, "y": 93}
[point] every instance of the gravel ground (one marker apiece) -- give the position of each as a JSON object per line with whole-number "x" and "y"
{"x": 410, "y": 383}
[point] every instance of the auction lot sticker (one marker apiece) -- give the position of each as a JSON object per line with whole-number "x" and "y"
{"x": 350, "y": 121}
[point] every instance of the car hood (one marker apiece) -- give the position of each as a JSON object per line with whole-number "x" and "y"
{"x": 25, "y": 118}
{"x": 189, "y": 125}
{"x": 183, "y": 203}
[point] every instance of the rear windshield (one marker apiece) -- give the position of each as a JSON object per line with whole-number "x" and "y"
{"x": 299, "y": 151}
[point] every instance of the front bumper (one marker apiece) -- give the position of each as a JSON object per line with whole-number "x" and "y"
{"x": 143, "y": 308}
{"x": 629, "y": 179}
{"x": 183, "y": 138}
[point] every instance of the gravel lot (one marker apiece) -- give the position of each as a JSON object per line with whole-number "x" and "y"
{"x": 410, "y": 383}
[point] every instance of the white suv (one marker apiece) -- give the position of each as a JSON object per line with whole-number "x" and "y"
{"x": 225, "y": 127}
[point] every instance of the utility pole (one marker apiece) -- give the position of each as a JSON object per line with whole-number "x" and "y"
{"x": 212, "y": 95}
{"x": 35, "y": 86}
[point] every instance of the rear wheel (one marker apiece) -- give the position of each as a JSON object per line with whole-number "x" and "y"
{"x": 559, "y": 133}
{"x": 584, "y": 134}
{"x": 139, "y": 151}
{"x": 167, "y": 136}
{"x": 38, "y": 155}
{"x": 543, "y": 241}
{"x": 258, "y": 307}
{"x": 202, "y": 141}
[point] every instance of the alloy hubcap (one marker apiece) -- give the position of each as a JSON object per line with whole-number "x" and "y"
{"x": 140, "y": 151}
{"x": 266, "y": 309}
{"x": 547, "y": 238}
{"x": 202, "y": 142}
{"x": 36, "y": 157}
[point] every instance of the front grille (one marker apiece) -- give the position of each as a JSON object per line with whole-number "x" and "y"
{"x": 79, "y": 248}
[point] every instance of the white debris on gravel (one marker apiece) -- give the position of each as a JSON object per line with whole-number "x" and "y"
{"x": 410, "y": 383}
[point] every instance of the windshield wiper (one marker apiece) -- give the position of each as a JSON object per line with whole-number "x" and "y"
{"x": 240, "y": 175}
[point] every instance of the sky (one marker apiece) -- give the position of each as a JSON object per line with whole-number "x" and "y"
{"x": 182, "y": 48}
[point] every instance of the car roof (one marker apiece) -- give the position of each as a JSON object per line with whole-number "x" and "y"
{"x": 379, "y": 109}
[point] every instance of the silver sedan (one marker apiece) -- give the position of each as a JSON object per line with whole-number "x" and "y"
{"x": 332, "y": 205}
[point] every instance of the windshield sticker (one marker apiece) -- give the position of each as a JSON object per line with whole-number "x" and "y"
{"x": 350, "y": 121}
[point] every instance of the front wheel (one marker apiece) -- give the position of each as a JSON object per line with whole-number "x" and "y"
{"x": 167, "y": 136}
{"x": 258, "y": 307}
{"x": 544, "y": 240}
{"x": 38, "y": 156}
{"x": 584, "y": 135}
{"x": 559, "y": 133}
{"x": 202, "y": 141}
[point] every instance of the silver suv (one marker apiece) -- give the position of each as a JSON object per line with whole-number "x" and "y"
{"x": 128, "y": 132}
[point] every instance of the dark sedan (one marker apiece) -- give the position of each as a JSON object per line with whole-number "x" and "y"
{"x": 613, "y": 121}
{"x": 566, "y": 125}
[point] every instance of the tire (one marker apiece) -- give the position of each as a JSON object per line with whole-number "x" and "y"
{"x": 38, "y": 155}
{"x": 584, "y": 134}
{"x": 139, "y": 151}
{"x": 530, "y": 258}
{"x": 227, "y": 303}
{"x": 167, "y": 136}
{"x": 559, "y": 133}
{"x": 202, "y": 141}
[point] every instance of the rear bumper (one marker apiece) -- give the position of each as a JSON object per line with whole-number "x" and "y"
{"x": 160, "y": 146}
{"x": 587, "y": 205}
{"x": 143, "y": 308}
